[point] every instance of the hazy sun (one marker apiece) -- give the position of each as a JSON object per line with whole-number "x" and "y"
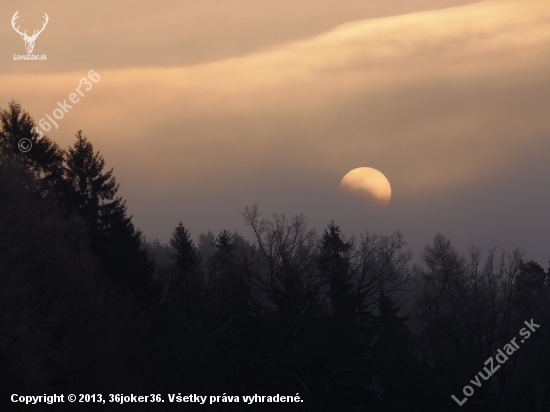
{"x": 368, "y": 184}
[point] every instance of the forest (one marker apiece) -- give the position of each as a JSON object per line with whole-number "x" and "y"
{"x": 89, "y": 305}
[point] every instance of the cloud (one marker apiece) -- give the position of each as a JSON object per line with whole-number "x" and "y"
{"x": 174, "y": 33}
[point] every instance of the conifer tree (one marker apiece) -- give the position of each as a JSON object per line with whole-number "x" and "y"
{"x": 44, "y": 159}
{"x": 224, "y": 242}
{"x": 93, "y": 191}
{"x": 206, "y": 247}
{"x": 184, "y": 284}
{"x": 114, "y": 238}
{"x": 221, "y": 263}
{"x": 186, "y": 256}
{"x": 229, "y": 281}
{"x": 334, "y": 265}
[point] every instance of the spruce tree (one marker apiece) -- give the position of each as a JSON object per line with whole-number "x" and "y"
{"x": 184, "y": 284}
{"x": 93, "y": 191}
{"x": 334, "y": 265}
{"x": 230, "y": 288}
{"x": 186, "y": 256}
{"x": 206, "y": 247}
{"x": 114, "y": 238}
{"x": 224, "y": 242}
{"x": 44, "y": 159}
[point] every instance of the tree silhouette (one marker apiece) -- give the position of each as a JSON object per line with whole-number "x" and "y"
{"x": 45, "y": 159}
{"x": 186, "y": 256}
{"x": 206, "y": 247}
{"x": 183, "y": 281}
{"x": 334, "y": 265}
{"x": 228, "y": 284}
{"x": 65, "y": 327}
{"x": 94, "y": 191}
{"x": 85, "y": 310}
{"x": 114, "y": 238}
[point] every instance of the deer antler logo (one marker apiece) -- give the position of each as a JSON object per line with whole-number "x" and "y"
{"x": 29, "y": 40}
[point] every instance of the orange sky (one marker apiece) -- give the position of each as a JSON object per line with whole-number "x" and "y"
{"x": 205, "y": 107}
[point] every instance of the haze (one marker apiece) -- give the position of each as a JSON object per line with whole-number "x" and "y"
{"x": 205, "y": 107}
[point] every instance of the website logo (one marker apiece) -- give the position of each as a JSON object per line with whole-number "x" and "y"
{"x": 29, "y": 40}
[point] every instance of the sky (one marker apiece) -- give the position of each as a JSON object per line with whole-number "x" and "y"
{"x": 205, "y": 107}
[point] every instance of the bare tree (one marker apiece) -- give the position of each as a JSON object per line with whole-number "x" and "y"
{"x": 284, "y": 272}
{"x": 379, "y": 265}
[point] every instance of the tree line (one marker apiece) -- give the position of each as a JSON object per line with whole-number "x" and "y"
{"x": 91, "y": 306}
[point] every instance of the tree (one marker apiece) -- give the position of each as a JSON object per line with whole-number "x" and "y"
{"x": 228, "y": 285}
{"x": 531, "y": 287}
{"x": 45, "y": 159}
{"x": 206, "y": 247}
{"x": 468, "y": 309}
{"x": 334, "y": 265}
{"x": 286, "y": 292}
{"x": 113, "y": 236}
{"x": 186, "y": 256}
{"x": 93, "y": 191}
{"x": 119, "y": 246}
{"x": 64, "y": 327}
{"x": 379, "y": 263}
{"x": 183, "y": 285}
{"x": 531, "y": 376}
{"x": 159, "y": 252}
{"x": 444, "y": 305}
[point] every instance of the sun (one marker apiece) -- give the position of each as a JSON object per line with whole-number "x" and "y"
{"x": 367, "y": 184}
